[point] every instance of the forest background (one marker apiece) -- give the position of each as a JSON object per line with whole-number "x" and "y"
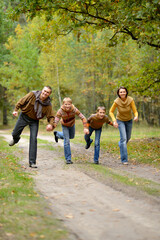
{"x": 82, "y": 49}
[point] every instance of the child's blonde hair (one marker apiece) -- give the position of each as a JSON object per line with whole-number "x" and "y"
{"x": 101, "y": 108}
{"x": 67, "y": 99}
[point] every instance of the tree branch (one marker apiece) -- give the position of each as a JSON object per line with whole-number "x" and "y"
{"x": 157, "y": 81}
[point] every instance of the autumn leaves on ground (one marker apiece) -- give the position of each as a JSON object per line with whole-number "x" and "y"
{"x": 30, "y": 211}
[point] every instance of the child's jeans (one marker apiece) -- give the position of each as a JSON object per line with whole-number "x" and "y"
{"x": 97, "y": 141}
{"x": 125, "y": 129}
{"x": 67, "y": 134}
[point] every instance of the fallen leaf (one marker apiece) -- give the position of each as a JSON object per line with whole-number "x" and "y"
{"x": 33, "y": 234}
{"x": 116, "y": 210}
{"x": 131, "y": 179}
{"x": 82, "y": 213}
{"x": 9, "y": 234}
{"x": 69, "y": 216}
{"x": 92, "y": 210}
{"x": 42, "y": 236}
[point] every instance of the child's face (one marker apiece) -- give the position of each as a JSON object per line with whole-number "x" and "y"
{"x": 101, "y": 114}
{"x": 67, "y": 105}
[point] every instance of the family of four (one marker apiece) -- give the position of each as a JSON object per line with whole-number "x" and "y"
{"x": 37, "y": 104}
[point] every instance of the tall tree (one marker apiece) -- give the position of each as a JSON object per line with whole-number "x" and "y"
{"x": 21, "y": 73}
{"x": 6, "y": 29}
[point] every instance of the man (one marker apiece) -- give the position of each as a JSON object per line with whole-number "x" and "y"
{"x": 34, "y": 106}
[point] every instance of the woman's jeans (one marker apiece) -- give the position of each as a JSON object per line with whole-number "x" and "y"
{"x": 22, "y": 122}
{"x": 67, "y": 134}
{"x": 97, "y": 141}
{"x": 125, "y": 129}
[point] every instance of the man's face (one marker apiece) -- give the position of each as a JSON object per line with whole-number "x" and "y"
{"x": 45, "y": 93}
{"x": 101, "y": 114}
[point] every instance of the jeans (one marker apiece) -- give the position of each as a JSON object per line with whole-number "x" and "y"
{"x": 97, "y": 141}
{"x": 125, "y": 129}
{"x": 22, "y": 122}
{"x": 67, "y": 134}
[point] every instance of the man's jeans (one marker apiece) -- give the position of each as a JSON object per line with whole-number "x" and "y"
{"x": 22, "y": 122}
{"x": 67, "y": 134}
{"x": 97, "y": 141}
{"x": 125, "y": 129}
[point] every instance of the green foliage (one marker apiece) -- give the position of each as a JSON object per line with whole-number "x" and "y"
{"x": 21, "y": 73}
{"x": 82, "y": 64}
{"x": 136, "y": 19}
{"x": 6, "y": 29}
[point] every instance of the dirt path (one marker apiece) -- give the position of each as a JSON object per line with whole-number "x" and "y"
{"x": 90, "y": 209}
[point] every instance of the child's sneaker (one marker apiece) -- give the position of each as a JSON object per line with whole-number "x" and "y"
{"x": 96, "y": 162}
{"x": 69, "y": 162}
{"x": 55, "y": 136}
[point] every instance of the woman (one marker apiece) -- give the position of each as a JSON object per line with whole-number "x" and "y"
{"x": 123, "y": 121}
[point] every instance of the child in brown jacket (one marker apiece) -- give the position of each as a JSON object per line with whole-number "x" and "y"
{"x": 95, "y": 122}
{"x": 67, "y": 114}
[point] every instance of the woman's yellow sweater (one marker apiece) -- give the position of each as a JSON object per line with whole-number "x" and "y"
{"x": 124, "y": 108}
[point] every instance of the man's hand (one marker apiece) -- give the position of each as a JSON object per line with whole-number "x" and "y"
{"x": 86, "y": 131}
{"x": 49, "y": 127}
{"x": 15, "y": 113}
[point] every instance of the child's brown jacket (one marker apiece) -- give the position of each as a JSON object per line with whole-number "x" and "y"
{"x": 97, "y": 123}
{"x": 68, "y": 117}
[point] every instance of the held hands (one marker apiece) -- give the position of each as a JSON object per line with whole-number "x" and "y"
{"x": 49, "y": 127}
{"x": 115, "y": 124}
{"x": 86, "y": 131}
{"x": 15, "y": 113}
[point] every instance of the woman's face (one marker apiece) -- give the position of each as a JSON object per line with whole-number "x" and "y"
{"x": 122, "y": 93}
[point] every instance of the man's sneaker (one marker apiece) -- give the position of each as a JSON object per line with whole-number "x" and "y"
{"x": 33, "y": 165}
{"x": 55, "y": 136}
{"x": 125, "y": 163}
{"x": 88, "y": 144}
{"x": 69, "y": 162}
{"x": 12, "y": 142}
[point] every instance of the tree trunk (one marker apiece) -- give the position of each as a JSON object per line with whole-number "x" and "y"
{"x": 5, "y": 119}
{"x": 57, "y": 72}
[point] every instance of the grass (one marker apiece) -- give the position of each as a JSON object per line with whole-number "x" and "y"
{"x": 144, "y": 146}
{"x": 103, "y": 173}
{"x": 24, "y": 214}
